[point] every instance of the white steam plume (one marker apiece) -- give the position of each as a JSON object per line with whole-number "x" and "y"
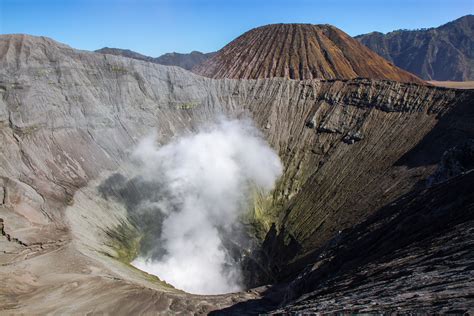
{"x": 209, "y": 176}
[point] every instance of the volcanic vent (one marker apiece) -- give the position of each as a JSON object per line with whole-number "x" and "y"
{"x": 188, "y": 199}
{"x": 299, "y": 51}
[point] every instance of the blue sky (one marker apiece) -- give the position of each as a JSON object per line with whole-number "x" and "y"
{"x": 154, "y": 27}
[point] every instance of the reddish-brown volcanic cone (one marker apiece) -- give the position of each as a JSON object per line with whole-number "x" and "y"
{"x": 299, "y": 51}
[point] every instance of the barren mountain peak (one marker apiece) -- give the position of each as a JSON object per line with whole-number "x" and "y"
{"x": 299, "y": 51}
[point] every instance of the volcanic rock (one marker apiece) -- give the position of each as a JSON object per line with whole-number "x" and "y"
{"x": 387, "y": 264}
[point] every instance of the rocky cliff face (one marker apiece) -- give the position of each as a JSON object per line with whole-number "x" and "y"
{"x": 442, "y": 53}
{"x": 344, "y": 172}
{"x": 68, "y": 119}
{"x": 299, "y": 51}
{"x": 389, "y": 263}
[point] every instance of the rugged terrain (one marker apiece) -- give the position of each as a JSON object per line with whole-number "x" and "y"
{"x": 389, "y": 263}
{"x": 359, "y": 151}
{"x": 299, "y": 51}
{"x": 442, "y": 53}
{"x": 186, "y": 61}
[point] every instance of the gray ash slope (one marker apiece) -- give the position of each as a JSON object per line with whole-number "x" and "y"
{"x": 350, "y": 148}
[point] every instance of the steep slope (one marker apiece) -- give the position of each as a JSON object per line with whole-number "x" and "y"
{"x": 373, "y": 142}
{"x": 411, "y": 256}
{"x": 186, "y": 61}
{"x": 442, "y": 53}
{"x": 68, "y": 119}
{"x": 407, "y": 263}
{"x": 299, "y": 51}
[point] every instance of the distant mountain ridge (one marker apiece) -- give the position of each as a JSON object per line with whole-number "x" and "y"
{"x": 444, "y": 53}
{"x": 186, "y": 61}
{"x": 440, "y": 53}
{"x": 299, "y": 51}
{"x": 125, "y": 53}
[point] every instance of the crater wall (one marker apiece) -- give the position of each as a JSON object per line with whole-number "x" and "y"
{"x": 69, "y": 118}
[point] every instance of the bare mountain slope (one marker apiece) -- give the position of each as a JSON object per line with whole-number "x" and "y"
{"x": 442, "y": 53}
{"x": 299, "y": 51}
